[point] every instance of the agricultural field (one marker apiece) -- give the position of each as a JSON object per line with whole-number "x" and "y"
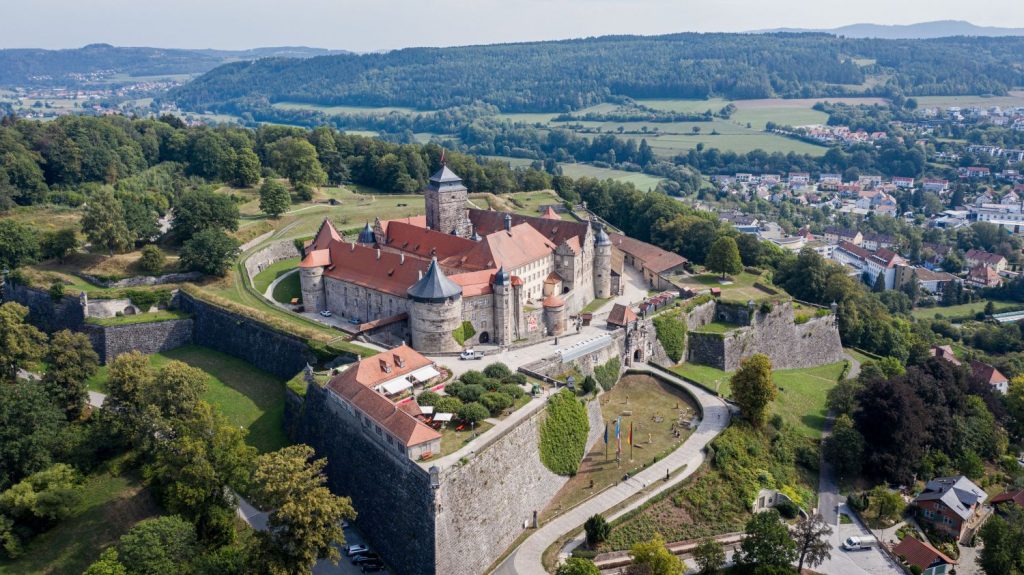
{"x": 330, "y": 110}
{"x": 642, "y": 181}
{"x": 659, "y": 412}
{"x": 802, "y": 392}
{"x": 1014, "y": 98}
{"x": 963, "y": 310}
{"x": 111, "y": 504}
{"x": 247, "y": 396}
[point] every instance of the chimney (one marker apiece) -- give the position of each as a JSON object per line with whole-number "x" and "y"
{"x": 508, "y": 223}
{"x": 401, "y": 258}
{"x": 352, "y": 247}
{"x": 378, "y": 254}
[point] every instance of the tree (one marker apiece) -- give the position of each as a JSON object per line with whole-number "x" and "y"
{"x": 158, "y": 546}
{"x": 724, "y": 257}
{"x": 210, "y": 251}
{"x": 152, "y": 260}
{"x": 305, "y": 522}
{"x": 18, "y": 244}
{"x": 199, "y": 210}
{"x": 1003, "y": 552}
{"x": 753, "y": 389}
{"x": 104, "y": 224}
{"x": 768, "y": 543}
{"x": 43, "y": 498}
{"x": 990, "y": 309}
{"x": 176, "y": 389}
{"x": 245, "y": 172}
{"x": 879, "y": 285}
{"x": 842, "y": 399}
{"x": 887, "y": 504}
{"x": 58, "y": 244}
{"x": 274, "y": 198}
{"x": 473, "y": 412}
{"x": 811, "y": 535}
{"x": 709, "y": 556}
{"x": 297, "y": 160}
{"x": 598, "y": 530}
{"x": 30, "y": 426}
{"x": 107, "y": 564}
{"x": 71, "y": 361}
{"x": 21, "y": 344}
{"x": 577, "y": 566}
{"x": 653, "y": 558}
{"x": 844, "y": 448}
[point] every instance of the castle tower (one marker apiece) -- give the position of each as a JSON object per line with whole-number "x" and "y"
{"x": 311, "y": 281}
{"x": 446, "y": 200}
{"x": 554, "y": 315}
{"x": 366, "y": 236}
{"x": 504, "y": 310}
{"x": 435, "y": 311}
{"x": 602, "y": 263}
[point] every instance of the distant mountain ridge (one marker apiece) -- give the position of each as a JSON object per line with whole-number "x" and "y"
{"x": 38, "y": 67}
{"x": 919, "y": 31}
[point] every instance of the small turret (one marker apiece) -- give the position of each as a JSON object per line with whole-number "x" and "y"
{"x": 435, "y": 312}
{"x": 602, "y": 262}
{"x": 508, "y": 222}
{"x": 366, "y": 236}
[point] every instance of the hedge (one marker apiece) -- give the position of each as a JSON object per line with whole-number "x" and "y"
{"x": 671, "y": 331}
{"x": 563, "y": 435}
{"x": 608, "y": 374}
{"x": 464, "y": 332}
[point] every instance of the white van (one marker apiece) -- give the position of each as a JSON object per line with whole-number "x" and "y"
{"x": 860, "y": 543}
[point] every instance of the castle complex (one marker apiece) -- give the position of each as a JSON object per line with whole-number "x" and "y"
{"x": 491, "y": 277}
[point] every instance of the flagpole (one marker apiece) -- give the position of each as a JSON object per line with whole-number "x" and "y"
{"x": 606, "y": 441}
{"x": 631, "y": 441}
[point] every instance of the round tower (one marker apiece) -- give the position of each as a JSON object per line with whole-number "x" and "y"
{"x": 602, "y": 263}
{"x": 435, "y": 312}
{"x": 311, "y": 280}
{"x": 504, "y": 310}
{"x": 554, "y": 314}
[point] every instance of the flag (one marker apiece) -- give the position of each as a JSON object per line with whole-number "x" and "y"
{"x": 618, "y": 439}
{"x": 606, "y": 433}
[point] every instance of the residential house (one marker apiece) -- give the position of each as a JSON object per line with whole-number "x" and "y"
{"x": 883, "y": 262}
{"x": 974, "y": 172}
{"x": 868, "y": 182}
{"x": 920, "y": 554}
{"x": 983, "y": 277}
{"x": 1004, "y": 501}
{"x": 836, "y": 235}
{"x": 986, "y": 197}
{"x": 799, "y": 179}
{"x": 975, "y": 258}
{"x": 944, "y": 352}
{"x": 991, "y": 376}
{"x": 873, "y": 241}
{"x": 830, "y": 181}
{"x": 929, "y": 281}
{"x": 950, "y": 505}
{"x": 1010, "y": 199}
{"x": 937, "y": 186}
{"x": 903, "y": 183}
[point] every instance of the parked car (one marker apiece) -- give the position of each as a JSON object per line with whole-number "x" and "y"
{"x": 326, "y": 313}
{"x": 372, "y": 567}
{"x": 353, "y": 550}
{"x": 471, "y": 354}
{"x": 860, "y": 543}
{"x": 368, "y": 557}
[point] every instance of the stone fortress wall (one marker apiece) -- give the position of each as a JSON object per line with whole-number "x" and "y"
{"x": 773, "y": 333}
{"x": 44, "y": 312}
{"x": 110, "y": 341}
{"x": 270, "y": 255}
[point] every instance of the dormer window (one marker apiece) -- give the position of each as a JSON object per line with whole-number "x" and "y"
{"x": 399, "y": 361}
{"x": 385, "y": 367}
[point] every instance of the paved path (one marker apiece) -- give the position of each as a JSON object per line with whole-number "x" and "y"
{"x": 526, "y": 559}
{"x": 828, "y": 488}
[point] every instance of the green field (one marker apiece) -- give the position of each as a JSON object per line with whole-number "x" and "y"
{"x": 266, "y": 277}
{"x": 741, "y": 289}
{"x": 717, "y": 327}
{"x": 159, "y": 315}
{"x": 366, "y": 110}
{"x": 1014, "y": 98}
{"x": 247, "y": 396}
{"x": 643, "y": 182}
{"x": 802, "y": 392}
{"x": 963, "y": 310}
{"x": 111, "y": 504}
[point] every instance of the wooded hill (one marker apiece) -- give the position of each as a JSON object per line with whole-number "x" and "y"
{"x": 573, "y": 74}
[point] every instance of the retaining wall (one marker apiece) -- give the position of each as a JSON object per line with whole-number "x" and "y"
{"x": 273, "y": 253}
{"x": 152, "y": 337}
{"x": 45, "y": 313}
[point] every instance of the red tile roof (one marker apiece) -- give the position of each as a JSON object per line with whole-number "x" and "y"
{"x": 385, "y": 366}
{"x": 510, "y": 248}
{"x": 621, "y": 315}
{"x": 475, "y": 283}
{"x": 553, "y": 301}
{"x": 1010, "y": 497}
{"x": 363, "y": 266}
{"x": 987, "y": 373}
{"x": 654, "y": 258}
{"x": 944, "y": 352}
{"x": 551, "y": 214}
{"x": 556, "y": 231}
{"x": 418, "y": 221}
{"x": 984, "y": 257}
{"x": 409, "y": 430}
{"x": 920, "y": 553}
{"x": 324, "y": 236}
{"x": 427, "y": 243}
{"x": 316, "y": 259}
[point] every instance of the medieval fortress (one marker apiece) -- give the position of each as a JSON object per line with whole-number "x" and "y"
{"x": 510, "y": 277}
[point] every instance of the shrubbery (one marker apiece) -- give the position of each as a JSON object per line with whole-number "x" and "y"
{"x": 473, "y": 413}
{"x": 608, "y": 373}
{"x": 496, "y": 402}
{"x": 447, "y": 404}
{"x": 427, "y": 398}
{"x": 464, "y": 332}
{"x": 671, "y": 330}
{"x": 563, "y": 435}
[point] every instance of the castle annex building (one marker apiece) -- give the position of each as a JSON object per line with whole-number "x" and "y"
{"x": 498, "y": 277}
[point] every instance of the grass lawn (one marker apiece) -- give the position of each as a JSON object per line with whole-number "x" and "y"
{"x": 802, "y": 392}
{"x": 288, "y": 289}
{"x": 859, "y": 356}
{"x": 644, "y": 182}
{"x": 595, "y": 305}
{"x": 717, "y": 327}
{"x": 247, "y": 396}
{"x": 452, "y": 440}
{"x": 266, "y": 277}
{"x": 159, "y": 315}
{"x": 641, "y": 400}
{"x": 111, "y": 505}
{"x": 741, "y": 289}
{"x": 962, "y": 310}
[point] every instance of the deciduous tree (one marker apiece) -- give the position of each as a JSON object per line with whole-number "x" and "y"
{"x": 811, "y": 535}
{"x": 210, "y": 251}
{"x": 104, "y": 224}
{"x": 709, "y": 556}
{"x": 753, "y": 388}
{"x": 577, "y": 566}
{"x": 844, "y": 448}
{"x": 274, "y": 198}
{"x": 768, "y": 543}
{"x": 18, "y": 244}
{"x": 199, "y": 210}
{"x": 724, "y": 257}
{"x": 305, "y": 518}
{"x": 71, "y": 361}
{"x": 59, "y": 244}
{"x": 21, "y": 344}
{"x": 158, "y": 546}
{"x": 653, "y": 558}
{"x": 30, "y": 426}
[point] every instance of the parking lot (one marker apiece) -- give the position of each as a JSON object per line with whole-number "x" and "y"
{"x": 344, "y": 566}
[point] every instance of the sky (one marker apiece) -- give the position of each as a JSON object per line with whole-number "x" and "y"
{"x": 367, "y": 25}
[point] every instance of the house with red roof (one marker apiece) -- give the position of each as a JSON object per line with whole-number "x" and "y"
{"x": 990, "y": 375}
{"x": 950, "y": 505}
{"x": 920, "y": 554}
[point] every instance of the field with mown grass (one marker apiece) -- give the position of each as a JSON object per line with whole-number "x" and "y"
{"x": 964, "y": 310}
{"x": 740, "y": 287}
{"x": 247, "y": 396}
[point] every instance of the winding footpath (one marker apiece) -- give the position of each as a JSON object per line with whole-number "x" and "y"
{"x": 526, "y": 559}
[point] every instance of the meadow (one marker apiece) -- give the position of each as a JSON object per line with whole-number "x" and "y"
{"x": 1014, "y": 98}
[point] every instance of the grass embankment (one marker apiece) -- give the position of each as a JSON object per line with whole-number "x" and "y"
{"x": 964, "y": 311}
{"x": 658, "y": 412}
{"x": 802, "y": 392}
{"x": 247, "y": 396}
{"x": 111, "y": 504}
{"x": 151, "y": 317}
{"x": 288, "y": 288}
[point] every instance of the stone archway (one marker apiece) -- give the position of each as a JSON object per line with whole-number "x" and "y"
{"x": 485, "y": 337}
{"x": 638, "y": 355}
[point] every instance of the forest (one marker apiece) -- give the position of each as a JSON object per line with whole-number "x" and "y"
{"x": 568, "y": 75}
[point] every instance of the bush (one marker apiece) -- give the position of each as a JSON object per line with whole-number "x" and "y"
{"x": 589, "y": 384}
{"x": 56, "y": 290}
{"x": 473, "y": 413}
{"x": 464, "y": 332}
{"x": 152, "y": 260}
{"x": 491, "y": 384}
{"x": 471, "y": 393}
{"x": 446, "y": 404}
{"x": 608, "y": 374}
{"x": 497, "y": 370}
{"x": 787, "y": 509}
{"x": 516, "y": 378}
{"x": 512, "y": 390}
{"x": 563, "y": 435}
{"x": 496, "y": 402}
{"x": 427, "y": 398}
{"x": 671, "y": 331}
{"x": 597, "y": 529}
{"x": 473, "y": 377}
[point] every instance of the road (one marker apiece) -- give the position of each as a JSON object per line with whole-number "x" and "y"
{"x": 526, "y": 559}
